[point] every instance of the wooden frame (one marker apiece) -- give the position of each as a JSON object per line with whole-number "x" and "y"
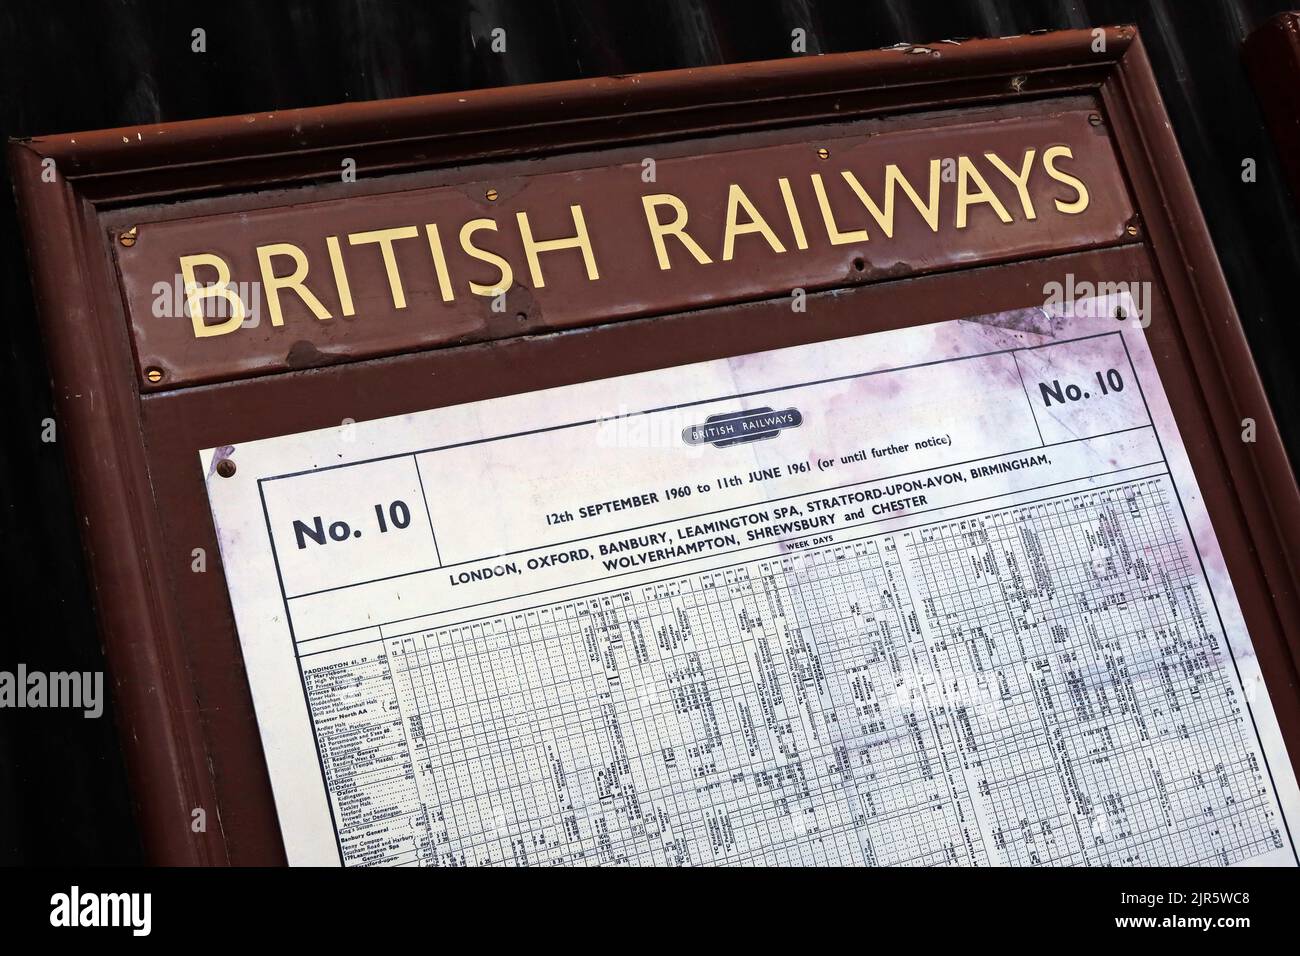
{"x": 186, "y": 743}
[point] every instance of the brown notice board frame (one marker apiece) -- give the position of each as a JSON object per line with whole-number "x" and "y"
{"x": 187, "y": 725}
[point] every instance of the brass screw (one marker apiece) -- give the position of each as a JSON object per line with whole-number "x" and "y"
{"x": 1095, "y": 119}
{"x": 153, "y": 373}
{"x": 823, "y": 152}
{"x": 128, "y": 238}
{"x": 492, "y": 195}
{"x": 225, "y": 468}
{"x": 1131, "y": 230}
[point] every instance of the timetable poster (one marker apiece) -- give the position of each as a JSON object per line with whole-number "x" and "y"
{"x": 939, "y": 595}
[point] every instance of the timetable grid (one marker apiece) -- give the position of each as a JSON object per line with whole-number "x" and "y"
{"x": 1112, "y": 731}
{"x": 1036, "y": 685}
{"x": 737, "y": 716}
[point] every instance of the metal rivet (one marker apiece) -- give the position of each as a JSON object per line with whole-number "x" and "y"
{"x": 225, "y": 468}
{"x": 823, "y": 152}
{"x": 1095, "y": 119}
{"x": 492, "y": 195}
{"x": 154, "y": 374}
{"x": 128, "y": 238}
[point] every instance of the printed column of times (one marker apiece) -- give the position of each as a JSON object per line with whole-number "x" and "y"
{"x": 1100, "y": 716}
{"x": 785, "y": 710}
{"x": 364, "y": 753}
{"x": 770, "y": 712}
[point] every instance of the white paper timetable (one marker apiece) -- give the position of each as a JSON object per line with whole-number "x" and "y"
{"x": 945, "y": 595}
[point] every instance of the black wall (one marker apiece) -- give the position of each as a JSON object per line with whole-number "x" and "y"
{"x": 70, "y": 66}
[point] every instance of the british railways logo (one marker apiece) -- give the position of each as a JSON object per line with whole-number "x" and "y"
{"x": 735, "y": 428}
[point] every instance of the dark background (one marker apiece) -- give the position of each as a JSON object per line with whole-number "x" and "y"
{"x": 66, "y": 67}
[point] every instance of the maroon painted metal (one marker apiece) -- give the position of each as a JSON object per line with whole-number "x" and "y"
{"x": 187, "y": 720}
{"x": 608, "y": 188}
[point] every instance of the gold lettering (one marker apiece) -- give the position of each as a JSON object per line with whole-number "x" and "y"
{"x": 736, "y": 200}
{"x": 579, "y": 241}
{"x": 792, "y": 211}
{"x": 194, "y": 293}
{"x": 1020, "y": 180}
{"x": 1077, "y": 205}
{"x": 273, "y": 284}
{"x": 440, "y": 262}
{"x": 482, "y": 255}
{"x": 966, "y": 172}
{"x": 894, "y": 178}
{"x": 385, "y": 239}
{"x": 340, "y": 275}
{"x": 675, "y": 228}
{"x": 833, "y": 233}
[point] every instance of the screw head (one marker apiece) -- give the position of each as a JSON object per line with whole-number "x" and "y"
{"x": 823, "y": 152}
{"x": 225, "y": 468}
{"x": 128, "y": 238}
{"x": 1131, "y": 230}
{"x": 1094, "y": 119}
{"x": 154, "y": 374}
{"x": 492, "y": 195}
